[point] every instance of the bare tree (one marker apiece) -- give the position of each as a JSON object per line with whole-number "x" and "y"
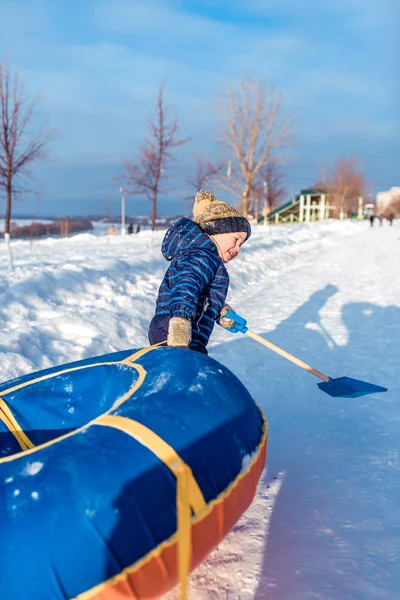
{"x": 205, "y": 173}
{"x": 268, "y": 191}
{"x": 393, "y": 208}
{"x": 19, "y": 149}
{"x": 146, "y": 178}
{"x": 345, "y": 183}
{"x": 255, "y": 129}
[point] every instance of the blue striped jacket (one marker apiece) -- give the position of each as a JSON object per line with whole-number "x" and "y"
{"x": 194, "y": 286}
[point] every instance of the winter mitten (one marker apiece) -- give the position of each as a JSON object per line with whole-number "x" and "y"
{"x": 226, "y": 322}
{"x": 179, "y": 332}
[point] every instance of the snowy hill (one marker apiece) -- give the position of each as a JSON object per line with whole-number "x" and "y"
{"x": 325, "y": 523}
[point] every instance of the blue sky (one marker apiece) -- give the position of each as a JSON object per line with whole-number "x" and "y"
{"x": 98, "y": 64}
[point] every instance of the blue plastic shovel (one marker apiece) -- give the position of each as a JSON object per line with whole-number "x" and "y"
{"x": 343, "y": 387}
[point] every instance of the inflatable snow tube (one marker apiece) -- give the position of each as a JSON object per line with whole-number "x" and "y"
{"x": 120, "y": 473}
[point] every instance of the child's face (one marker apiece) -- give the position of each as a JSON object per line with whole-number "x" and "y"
{"x": 229, "y": 244}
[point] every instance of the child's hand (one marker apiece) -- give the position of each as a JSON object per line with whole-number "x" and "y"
{"x": 233, "y": 322}
{"x": 225, "y": 322}
{"x": 179, "y": 332}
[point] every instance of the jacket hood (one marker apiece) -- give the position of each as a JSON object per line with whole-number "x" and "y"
{"x": 184, "y": 235}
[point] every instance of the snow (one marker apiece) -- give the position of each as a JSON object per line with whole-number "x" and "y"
{"x": 33, "y": 468}
{"x": 325, "y": 523}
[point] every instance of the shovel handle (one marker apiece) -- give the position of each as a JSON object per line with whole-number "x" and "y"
{"x": 286, "y": 355}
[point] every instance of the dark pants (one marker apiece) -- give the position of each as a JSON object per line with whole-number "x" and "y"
{"x": 158, "y": 332}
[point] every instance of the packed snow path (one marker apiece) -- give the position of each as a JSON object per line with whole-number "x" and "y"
{"x": 325, "y": 524}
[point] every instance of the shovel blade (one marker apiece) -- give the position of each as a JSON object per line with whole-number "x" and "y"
{"x": 346, "y": 387}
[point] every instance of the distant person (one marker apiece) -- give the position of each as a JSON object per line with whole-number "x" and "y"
{"x": 372, "y": 219}
{"x": 138, "y": 228}
{"x": 192, "y": 295}
{"x": 130, "y": 228}
{"x": 390, "y": 218}
{"x": 111, "y": 231}
{"x": 380, "y": 217}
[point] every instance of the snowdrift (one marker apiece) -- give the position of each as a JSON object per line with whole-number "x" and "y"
{"x": 120, "y": 473}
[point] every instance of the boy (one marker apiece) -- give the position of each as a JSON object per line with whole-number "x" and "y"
{"x": 192, "y": 294}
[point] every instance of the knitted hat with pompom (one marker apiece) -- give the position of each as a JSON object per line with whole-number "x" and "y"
{"x": 215, "y": 216}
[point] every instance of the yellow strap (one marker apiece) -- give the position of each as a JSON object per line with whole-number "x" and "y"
{"x": 184, "y": 528}
{"x": 188, "y": 493}
{"x": 130, "y": 359}
{"x": 12, "y": 424}
{"x": 160, "y": 448}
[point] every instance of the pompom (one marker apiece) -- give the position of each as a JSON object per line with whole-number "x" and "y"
{"x": 203, "y": 195}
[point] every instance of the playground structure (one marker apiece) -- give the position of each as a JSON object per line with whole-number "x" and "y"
{"x": 310, "y": 205}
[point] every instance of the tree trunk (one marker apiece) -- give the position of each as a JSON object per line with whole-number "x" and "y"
{"x": 154, "y": 211}
{"x": 257, "y": 208}
{"x": 8, "y": 209}
{"x": 7, "y": 223}
{"x": 245, "y": 200}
